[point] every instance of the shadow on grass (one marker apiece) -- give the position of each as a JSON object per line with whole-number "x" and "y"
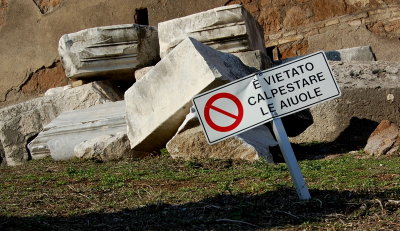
{"x": 224, "y": 212}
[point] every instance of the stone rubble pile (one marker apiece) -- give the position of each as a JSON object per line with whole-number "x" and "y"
{"x": 198, "y": 52}
{"x": 20, "y": 122}
{"x": 155, "y": 106}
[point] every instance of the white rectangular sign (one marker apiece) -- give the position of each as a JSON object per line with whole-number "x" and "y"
{"x": 256, "y": 99}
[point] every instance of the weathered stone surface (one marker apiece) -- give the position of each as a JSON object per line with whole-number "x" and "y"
{"x": 78, "y": 83}
{"x": 363, "y": 53}
{"x": 385, "y": 140}
{"x": 46, "y": 6}
{"x": 190, "y": 143}
{"x": 107, "y": 147}
{"x": 3, "y": 9}
{"x": 270, "y": 19}
{"x": 388, "y": 28}
{"x": 20, "y": 122}
{"x": 157, "y": 104}
{"x": 35, "y": 35}
{"x": 296, "y": 48}
{"x": 70, "y": 128}
{"x": 297, "y": 16}
{"x": 358, "y": 3}
{"x": 325, "y": 9}
{"x": 112, "y": 51}
{"x": 36, "y": 83}
{"x": 139, "y": 73}
{"x": 45, "y": 78}
{"x": 56, "y": 90}
{"x": 349, "y": 36}
{"x": 256, "y": 59}
{"x": 230, "y": 29}
{"x": 370, "y": 94}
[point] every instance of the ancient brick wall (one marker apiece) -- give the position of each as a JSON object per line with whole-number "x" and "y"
{"x": 384, "y": 21}
{"x": 288, "y": 24}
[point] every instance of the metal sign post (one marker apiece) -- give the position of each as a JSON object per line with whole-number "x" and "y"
{"x": 290, "y": 159}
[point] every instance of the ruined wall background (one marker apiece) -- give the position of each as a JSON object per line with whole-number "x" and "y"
{"x": 30, "y": 30}
{"x": 298, "y": 27}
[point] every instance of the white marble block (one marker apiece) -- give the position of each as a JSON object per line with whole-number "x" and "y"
{"x": 112, "y": 51}
{"x": 229, "y": 29}
{"x": 71, "y": 128}
{"x": 157, "y": 104}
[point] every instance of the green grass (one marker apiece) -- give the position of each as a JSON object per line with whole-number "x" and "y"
{"x": 161, "y": 192}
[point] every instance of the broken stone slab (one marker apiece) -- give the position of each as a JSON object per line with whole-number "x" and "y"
{"x": 157, "y": 104}
{"x": 385, "y": 140}
{"x": 107, "y": 147}
{"x": 110, "y": 51}
{"x": 20, "y": 122}
{"x": 71, "y": 128}
{"x": 190, "y": 143}
{"x": 363, "y": 53}
{"x": 229, "y": 29}
{"x": 370, "y": 94}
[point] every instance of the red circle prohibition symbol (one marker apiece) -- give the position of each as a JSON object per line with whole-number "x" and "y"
{"x": 208, "y": 107}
